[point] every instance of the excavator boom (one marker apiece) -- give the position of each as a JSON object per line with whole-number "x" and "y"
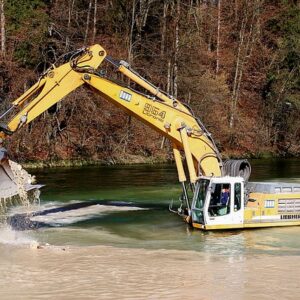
{"x": 167, "y": 115}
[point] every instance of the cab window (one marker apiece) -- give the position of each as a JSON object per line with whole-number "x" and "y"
{"x": 197, "y": 212}
{"x": 203, "y": 184}
{"x": 220, "y": 200}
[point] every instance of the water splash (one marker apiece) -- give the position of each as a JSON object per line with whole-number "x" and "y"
{"x": 25, "y": 198}
{"x": 22, "y": 178}
{"x": 26, "y": 205}
{"x": 9, "y": 236}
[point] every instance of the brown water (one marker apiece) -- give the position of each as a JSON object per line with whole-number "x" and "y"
{"x": 139, "y": 250}
{"x": 102, "y": 272}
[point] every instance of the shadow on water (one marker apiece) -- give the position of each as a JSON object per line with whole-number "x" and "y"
{"x": 23, "y": 221}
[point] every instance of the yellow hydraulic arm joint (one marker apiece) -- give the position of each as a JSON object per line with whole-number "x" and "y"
{"x": 188, "y": 155}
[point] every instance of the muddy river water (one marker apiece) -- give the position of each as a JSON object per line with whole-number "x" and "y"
{"x": 106, "y": 233}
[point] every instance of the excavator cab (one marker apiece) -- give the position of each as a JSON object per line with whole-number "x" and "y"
{"x": 218, "y": 202}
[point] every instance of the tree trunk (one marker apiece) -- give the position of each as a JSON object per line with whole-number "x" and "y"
{"x": 95, "y": 22}
{"x": 210, "y": 24}
{"x": 235, "y": 11}
{"x": 246, "y": 43}
{"x": 130, "y": 44}
{"x": 175, "y": 81}
{"x": 198, "y": 18}
{"x": 218, "y": 37}
{"x": 164, "y": 29}
{"x": 71, "y": 6}
{"x": 237, "y": 70}
{"x": 3, "y": 35}
{"x": 87, "y": 22}
{"x": 140, "y": 21}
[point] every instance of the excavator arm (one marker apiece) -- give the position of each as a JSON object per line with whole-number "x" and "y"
{"x": 170, "y": 117}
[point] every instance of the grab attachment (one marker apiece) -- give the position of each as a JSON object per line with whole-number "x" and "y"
{"x": 14, "y": 180}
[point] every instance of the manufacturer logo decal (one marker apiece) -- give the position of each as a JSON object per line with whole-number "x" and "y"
{"x": 154, "y": 112}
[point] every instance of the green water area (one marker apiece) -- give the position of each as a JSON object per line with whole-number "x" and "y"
{"x": 127, "y": 206}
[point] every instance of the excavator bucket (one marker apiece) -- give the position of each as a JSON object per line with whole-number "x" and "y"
{"x": 15, "y": 182}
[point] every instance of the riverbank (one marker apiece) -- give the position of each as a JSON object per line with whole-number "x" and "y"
{"x": 69, "y": 163}
{"x": 137, "y": 159}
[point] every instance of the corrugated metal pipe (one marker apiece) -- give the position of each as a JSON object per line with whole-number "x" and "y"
{"x": 240, "y": 167}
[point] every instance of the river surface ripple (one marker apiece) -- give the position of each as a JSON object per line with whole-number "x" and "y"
{"x": 127, "y": 245}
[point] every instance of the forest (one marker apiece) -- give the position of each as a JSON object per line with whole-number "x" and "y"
{"x": 235, "y": 62}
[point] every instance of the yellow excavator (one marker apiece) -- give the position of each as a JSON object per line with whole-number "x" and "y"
{"x": 215, "y": 194}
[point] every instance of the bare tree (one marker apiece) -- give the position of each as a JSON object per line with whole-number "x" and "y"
{"x": 218, "y": 37}
{"x": 197, "y": 13}
{"x": 3, "y": 35}
{"x": 70, "y": 11}
{"x": 95, "y": 22}
{"x": 211, "y": 22}
{"x": 130, "y": 44}
{"x": 247, "y": 39}
{"x": 87, "y": 21}
{"x": 164, "y": 28}
{"x": 236, "y": 11}
{"x": 176, "y": 54}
